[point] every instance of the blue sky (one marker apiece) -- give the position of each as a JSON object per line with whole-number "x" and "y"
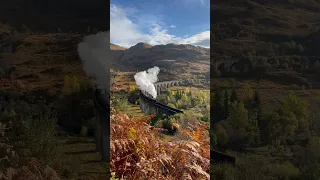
{"x": 160, "y": 22}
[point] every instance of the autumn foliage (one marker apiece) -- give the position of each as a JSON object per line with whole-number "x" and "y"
{"x": 138, "y": 153}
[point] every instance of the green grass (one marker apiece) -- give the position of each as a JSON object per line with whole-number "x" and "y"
{"x": 82, "y": 150}
{"x": 134, "y": 111}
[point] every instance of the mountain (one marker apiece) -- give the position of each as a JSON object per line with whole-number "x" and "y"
{"x": 140, "y": 45}
{"x": 116, "y": 47}
{"x": 178, "y": 59}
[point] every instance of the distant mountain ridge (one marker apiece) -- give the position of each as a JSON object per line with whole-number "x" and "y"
{"x": 170, "y": 57}
{"x": 116, "y": 47}
{"x": 168, "y": 51}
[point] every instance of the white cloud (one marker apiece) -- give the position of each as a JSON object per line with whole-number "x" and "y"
{"x": 173, "y": 26}
{"x": 203, "y": 3}
{"x": 125, "y": 33}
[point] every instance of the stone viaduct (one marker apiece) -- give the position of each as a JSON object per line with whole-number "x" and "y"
{"x": 162, "y": 86}
{"x": 149, "y": 105}
{"x": 227, "y": 65}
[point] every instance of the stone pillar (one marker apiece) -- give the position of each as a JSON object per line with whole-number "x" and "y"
{"x": 102, "y": 125}
{"x": 97, "y": 131}
{"x": 103, "y": 135}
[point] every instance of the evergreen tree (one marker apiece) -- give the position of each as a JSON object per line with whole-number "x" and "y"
{"x": 214, "y": 139}
{"x": 217, "y": 105}
{"x": 179, "y": 95}
{"x": 168, "y": 93}
{"x": 176, "y": 95}
{"x": 238, "y": 117}
{"x": 190, "y": 94}
{"x": 234, "y": 96}
{"x": 202, "y": 96}
{"x": 184, "y": 101}
{"x": 248, "y": 94}
{"x": 226, "y": 102}
{"x": 257, "y": 104}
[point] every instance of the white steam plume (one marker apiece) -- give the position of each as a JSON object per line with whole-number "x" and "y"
{"x": 146, "y": 79}
{"x": 94, "y": 51}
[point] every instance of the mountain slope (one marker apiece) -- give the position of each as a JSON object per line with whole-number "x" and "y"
{"x": 181, "y": 60}
{"x": 240, "y": 27}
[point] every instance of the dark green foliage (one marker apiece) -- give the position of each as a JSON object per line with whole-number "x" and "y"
{"x": 41, "y": 142}
{"x": 119, "y": 102}
{"x": 222, "y": 136}
{"x": 162, "y": 98}
{"x": 133, "y": 96}
{"x": 226, "y": 102}
{"x": 312, "y": 171}
{"x": 255, "y": 168}
{"x": 218, "y": 106}
{"x": 257, "y": 104}
{"x": 213, "y": 139}
{"x": 206, "y": 117}
{"x": 292, "y": 47}
{"x": 74, "y": 109}
{"x": 178, "y": 95}
{"x": 234, "y": 96}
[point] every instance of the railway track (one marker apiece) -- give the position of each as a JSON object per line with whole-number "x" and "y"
{"x": 150, "y": 99}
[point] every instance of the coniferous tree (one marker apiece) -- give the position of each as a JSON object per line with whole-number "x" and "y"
{"x": 226, "y": 102}
{"x": 189, "y": 94}
{"x": 176, "y": 95}
{"x": 218, "y": 107}
{"x": 234, "y": 96}
{"x": 179, "y": 94}
{"x": 257, "y": 104}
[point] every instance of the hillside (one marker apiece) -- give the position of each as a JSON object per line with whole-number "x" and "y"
{"x": 261, "y": 51}
{"x": 182, "y": 60}
{"x": 272, "y": 38}
{"x": 116, "y": 47}
{"x": 252, "y": 23}
{"x": 44, "y": 38}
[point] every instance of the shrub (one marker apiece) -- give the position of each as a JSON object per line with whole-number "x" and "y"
{"x": 247, "y": 168}
{"x": 295, "y": 87}
{"x": 206, "y": 117}
{"x": 148, "y": 157}
{"x": 311, "y": 171}
{"x": 171, "y": 105}
{"x": 41, "y": 141}
{"x": 71, "y": 85}
{"x": 222, "y": 136}
{"x": 84, "y": 131}
{"x": 290, "y": 48}
{"x": 23, "y": 29}
{"x": 120, "y": 102}
{"x": 284, "y": 170}
{"x": 70, "y": 167}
